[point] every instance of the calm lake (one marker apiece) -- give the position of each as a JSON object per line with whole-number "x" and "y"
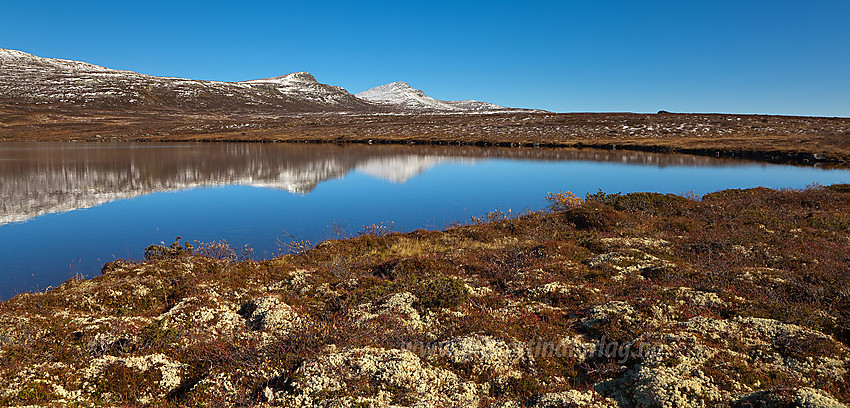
{"x": 68, "y": 208}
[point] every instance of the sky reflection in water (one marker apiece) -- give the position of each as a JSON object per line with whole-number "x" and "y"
{"x": 69, "y": 208}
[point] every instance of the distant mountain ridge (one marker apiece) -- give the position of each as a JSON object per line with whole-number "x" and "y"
{"x": 26, "y": 79}
{"x": 401, "y": 94}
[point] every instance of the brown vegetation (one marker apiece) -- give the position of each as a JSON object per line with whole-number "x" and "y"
{"x": 741, "y": 294}
{"x": 774, "y": 138}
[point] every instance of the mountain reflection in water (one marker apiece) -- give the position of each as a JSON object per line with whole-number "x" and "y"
{"x": 43, "y": 178}
{"x": 128, "y": 196}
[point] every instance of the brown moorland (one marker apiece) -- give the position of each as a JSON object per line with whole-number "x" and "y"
{"x": 770, "y": 138}
{"x": 738, "y": 298}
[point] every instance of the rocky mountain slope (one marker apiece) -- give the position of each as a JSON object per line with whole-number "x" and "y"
{"x": 400, "y": 94}
{"x": 30, "y": 80}
{"x": 27, "y": 79}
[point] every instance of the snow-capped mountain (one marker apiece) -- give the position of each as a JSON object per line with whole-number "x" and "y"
{"x": 400, "y": 94}
{"x": 28, "y": 79}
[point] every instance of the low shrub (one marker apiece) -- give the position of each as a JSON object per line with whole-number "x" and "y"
{"x": 175, "y": 250}
{"x": 592, "y": 216}
{"x": 562, "y": 201}
{"x": 639, "y": 202}
{"x": 839, "y": 188}
{"x": 444, "y": 292}
{"x": 36, "y": 392}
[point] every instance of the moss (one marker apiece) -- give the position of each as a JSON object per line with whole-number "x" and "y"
{"x": 34, "y": 393}
{"x": 662, "y": 273}
{"x": 828, "y": 221}
{"x": 525, "y": 388}
{"x": 412, "y": 267}
{"x": 801, "y": 346}
{"x": 839, "y": 188}
{"x": 573, "y": 299}
{"x": 671, "y": 361}
{"x": 445, "y": 292}
{"x": 563, "y": 367}
{"x": 735, "y": 193}
{"x": 762, "y": 216}
{"x": 119, "y": 383}
{"x": 157, "y": 334}
{"x": 370, "y": 289}
{"x": 767, "y": 399}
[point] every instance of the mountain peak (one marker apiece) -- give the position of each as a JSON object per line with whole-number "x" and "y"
{"x": 398, "y": 84}
{"x": 35, "y": 80}
{"x": 302, "y": 77}
{"x": 9, "y": 54}
{"x": 392, "y": 88}
{"x": 402, "y": 95}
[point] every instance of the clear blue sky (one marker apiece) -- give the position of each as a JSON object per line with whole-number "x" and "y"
{"x": 776, "y": 57}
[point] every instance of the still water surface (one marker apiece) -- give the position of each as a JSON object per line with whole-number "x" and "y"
{"x": 68, "y": 208}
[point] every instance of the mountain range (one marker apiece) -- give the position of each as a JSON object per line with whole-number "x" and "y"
{"x": 31, "y": 80}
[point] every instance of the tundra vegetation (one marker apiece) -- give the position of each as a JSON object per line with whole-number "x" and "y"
{"x": 771, "y": 138}
{"x": 742, "y": 296}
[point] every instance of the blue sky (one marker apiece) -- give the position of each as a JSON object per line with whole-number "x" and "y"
{"x": 775, "y": 57}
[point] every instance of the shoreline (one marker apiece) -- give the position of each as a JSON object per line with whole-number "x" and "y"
{"x": 778, "y": 139}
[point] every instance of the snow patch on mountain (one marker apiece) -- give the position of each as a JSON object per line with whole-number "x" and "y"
{"x": 25, "y": 78}
{"x": 402, "y": 95}
{"x": 303, "y": 85}
{"x": 15, "y": 57}
{"x": 30, "y": 79}
{"x": 288, "y": 79}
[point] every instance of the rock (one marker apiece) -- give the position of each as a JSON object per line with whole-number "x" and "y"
{"x": 627, "y": 262}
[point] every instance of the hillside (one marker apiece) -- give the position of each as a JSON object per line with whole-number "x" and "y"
{"x": 29, "y": 80}
{"x": 26, "y": 79}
